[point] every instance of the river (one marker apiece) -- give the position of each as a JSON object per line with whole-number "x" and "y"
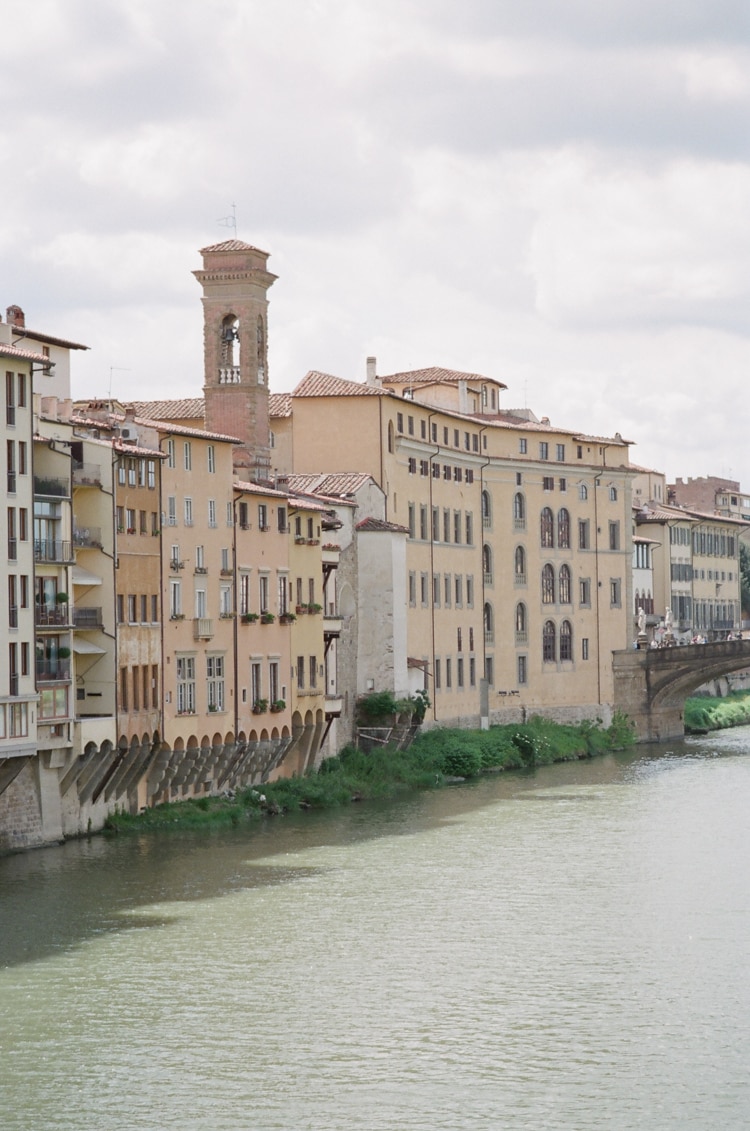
{"x": 564, "y": 949}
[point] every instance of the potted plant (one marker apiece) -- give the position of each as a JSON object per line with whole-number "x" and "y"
{"x": 299, "y": 609}
{"x": 267, "y": 618}
{"x": 61, "y": 598}
{"x": 249, "y": 618}
{"x": 278, "y": 705}
{"x": 286, "y": 618}
{"x": 260, "y": 706}
{"x": 313, "y": 607}
{"x": 63, "y": 653}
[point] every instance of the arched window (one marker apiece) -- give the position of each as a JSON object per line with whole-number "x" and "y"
{"x": 566, "y": 640}
{"x": 564, "y": 585}
{"x": 547, "y": 529}
{"x": 548, "y": 641}
{"x": 230, "y": 350}
{"x": 486, "y": 510}
{"x": 487, "y": 563}
{"x": 261, "y": 346}
{"x": 583, "y": 492}
{"x": 489, "y": 624}
{"x": 519, "y": 511}
{"x": 520, "y": 565}
{"x": 548, "y": 585}
{"x": 563, "y": 528}
{"x": 521, "y": 636}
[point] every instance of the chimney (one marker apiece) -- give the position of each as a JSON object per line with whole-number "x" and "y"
{"x": 15, "y": 317}
{"x": 372, "y": 366}
{"x": 129, "y": 413}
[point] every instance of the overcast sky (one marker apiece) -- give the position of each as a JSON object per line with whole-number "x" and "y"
{"x": 555, "y": 193}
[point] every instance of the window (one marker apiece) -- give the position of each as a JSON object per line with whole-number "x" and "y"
{"x": 151, "y": 473}
{"x": 543, "y": 449}
{"x": 225, "y": 600}
{"x": 459, "y": 587}
{"x": 613, "y": 494}
{"x": 519, "y": 566}
{"x": 412, "y": 465}
{"x": 187, "y": 455}
{"x": 548, "y": 585}
{"x": 136, "y": 688}
{"x": 446, "y": 525}
{"x": 457, "y": 527}
{"x": 562, "y": 485}
{"x": 583, "y": 492}
{"x": 124, "y": 687}
{"x": 412, "y": 588}
{"x": 522, "y": 445}
{"x": 273, "y": 681}
{"x": 282, "y": 520}
{"x": 186, "y": 685}
{"x": 486, "y": 510}
{"x": 263, "y": 592}
{"x": 457, "y": 474}
{"x": 423, "y": 523}
{"x": 448, "y": 673}
{"x": 412, "y": 521}
{"x": 446, "y": 471}
{"x": 170, "y": 454}
{"x": 211, "y": 458}
{"x": 564, "y": 585}
{"x": 469, "y": 523}
{"x": 614, "y": 592}
{"x": 583, "y": 534}
{"x": 130, "y": 520}
{"x": 437, "y": 673}
{"x": 548, "y": 483}
{"x": 521, "y": 629}
{"x": 547, "y": 529}
{"x": 521, "y": 669}
{"x": 584, "y": 648}
{"x": 460, "y": 672}
{"x": 435, "y": 524}
{"x": 132, "y": 609}
{"x": 563, "y": 529}
{"x": 519, "y": 511}
{"x": 584, "y": 591}
{"x": 472, "y": 666}
{"x": 489, "y": 624}
{"x": 410, "y": 425}
{"x": 487, "y": 564}
{"x": 447, "y": 590}
{"x": 423, "y": 593}
{"x": 212, "y": 513}
{"x": 175, "y": 598}
{"x": 154, "y": 608}
{"x": 215, "y": 682}
{"x": 470, "y": 593}
{"x": 560, "y": 453}
{"x": 489, "y": 670}
{"x": 188, "y": 512}
{"x": 424, "y": 467}
{"x": 144, "y": 608}
{"x": 436, "y": 590}
{"x": 614, "y": 536}
{"x": 262, "y": 516}
{"x": 566, "y": 640}
{"x": 313, "y": 669}
{"x": 400, "y": 421}
{"x": 548, "y": 641}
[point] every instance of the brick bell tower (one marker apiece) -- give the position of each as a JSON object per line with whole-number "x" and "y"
{"x": 235, "y": 285}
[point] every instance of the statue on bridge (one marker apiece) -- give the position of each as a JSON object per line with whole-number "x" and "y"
{"x": 642, "y": 638}
{"x": 668, "y": 637}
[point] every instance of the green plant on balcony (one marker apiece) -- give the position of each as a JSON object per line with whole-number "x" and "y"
{"x": 331, "y": 546}
{"x": 249, "y": 618}
{"x": 286, "y": 618}
{"x": 267, "y": 618}
{"x": 63, "y": 653}
{"x": 61, "y": 598}
{"x": 277, "y": 706}
{"x": 313, "y": 607}
{"x": 260, "y": 706}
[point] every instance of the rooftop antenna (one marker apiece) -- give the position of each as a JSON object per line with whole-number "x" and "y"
{"x": 113, "y": 369}
{"x": 229, "y": 221}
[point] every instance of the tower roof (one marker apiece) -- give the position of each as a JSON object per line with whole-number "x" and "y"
{"x": 231, "y": 245}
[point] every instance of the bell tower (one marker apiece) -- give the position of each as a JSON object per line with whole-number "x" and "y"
{"x": 235, "y": 283}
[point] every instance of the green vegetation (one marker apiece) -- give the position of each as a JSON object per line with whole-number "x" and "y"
{"x": 703, "y": 713}
{"x": 433, "y": 759}
{"x": 745, "y": 578}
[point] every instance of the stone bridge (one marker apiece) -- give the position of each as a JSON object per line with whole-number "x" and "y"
{"x": 651, "y": 686}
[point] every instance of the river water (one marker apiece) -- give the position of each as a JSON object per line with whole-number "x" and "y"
{"x": 565, "y": 949}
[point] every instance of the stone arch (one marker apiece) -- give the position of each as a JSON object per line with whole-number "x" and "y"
{"x": 347, "y": 603}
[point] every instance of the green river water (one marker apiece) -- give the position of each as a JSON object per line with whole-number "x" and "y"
{"x": 565, "y": 949}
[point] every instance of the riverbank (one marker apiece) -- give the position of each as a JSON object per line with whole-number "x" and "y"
{"x": 433, "y": 760}
{"x": 704, "y": 714}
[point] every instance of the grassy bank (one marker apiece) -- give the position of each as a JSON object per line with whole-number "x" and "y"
{"x": 702, "y": 714}
{"x": 435, "y": 758}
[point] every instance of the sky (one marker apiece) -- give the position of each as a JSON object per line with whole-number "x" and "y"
{"x": 554, "y": 193}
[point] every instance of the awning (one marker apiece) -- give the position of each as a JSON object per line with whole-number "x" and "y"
{"x": 82, "y": 576}
{"x": 86, "y": 648}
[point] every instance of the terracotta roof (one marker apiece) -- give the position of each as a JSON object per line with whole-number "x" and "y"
{"x": 661, "y": 513}
{"x": 308, "y": 503}
{"x": 22, "y": 355}
{"x": 259, "y": 489}
{"x": 48, "y": 339}
{"x": 231, "y": 245}
{"x": 338, "y": 483}
{"x": 315, "y": 384}
{"x": 183, "y": 430}
{"x": 280, "y": 404}
{"x": 434, "y": 375}
{"x": 189, "y": 408}
{"x": 379, "y": 524}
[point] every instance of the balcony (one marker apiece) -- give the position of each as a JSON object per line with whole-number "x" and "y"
{"x": 331, "y": 556}
{"x": 88, "y": 537}
{"x": 87, "y": 618}
{"x": 489, "y": 636}
{"x": 522, "y": 637}
{"x": 175, "y": 564}
{"x": 519, "y": 523}
{"x": 203, "y": 628}
{"x": 488, "y": 577}
{"x": 52, "y": 616}
{"x": 332, "y": 624}
{"x": 334, "y": 706}
{"x": 50, "y": 550}
{"x": 519, "y": 578}
{"x": 52, "y": 671}
{"x": 87, "y": 475}
{"x": 49, "y": 486}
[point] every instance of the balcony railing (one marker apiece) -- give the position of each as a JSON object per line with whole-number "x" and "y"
{"x": 488, "y": 577}
{"x": 519, "y": 523}
{"x": 52, "y": 616}
{"x": 522, "y": 637}
{"x": 519, "y": 578}
{"x": 87, "y": 618}
{"x": 88, "y": 536}
{"x": 87, "y": 475}
{"x": 50, "y": 550}
{"x": 489, "y": 636}
{"x": 229, "y": 375}
{"x": 203, "y": 628}
{"x": 46, "y": 485}
{"x": 50, "y": 671}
